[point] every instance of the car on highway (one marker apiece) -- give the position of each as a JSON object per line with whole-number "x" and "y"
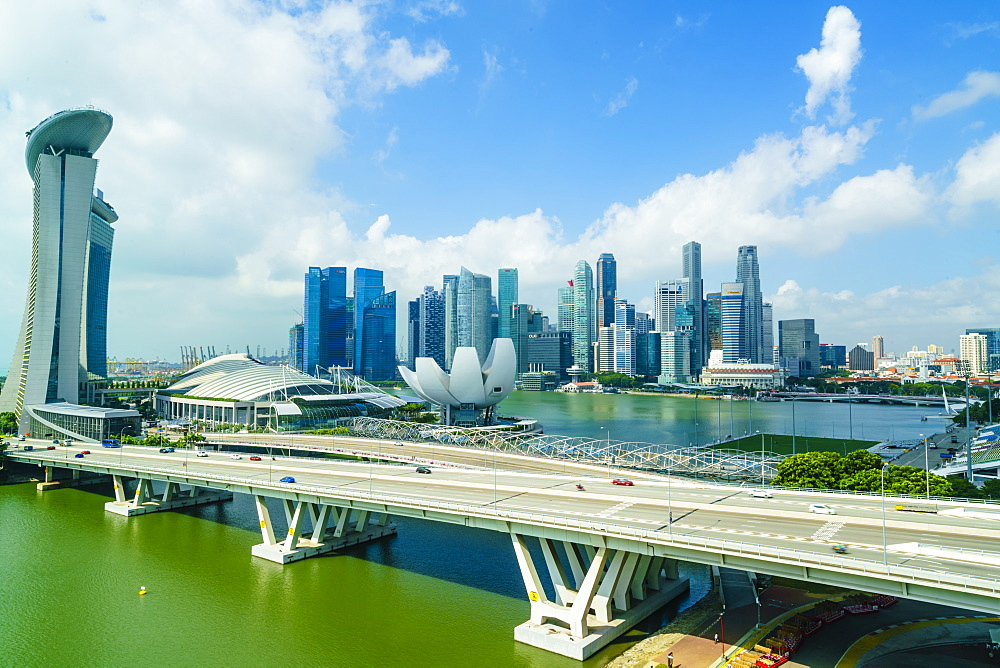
{"x": 51, "y": 447}
{"x": 423, "y": 469}
{"x": 254, "y": 458}
{"x": 822, "y": 509}
{"x": 85, "y": 452}
{"x": 236, "y": 456}
{"x": 287, "y": 478}
{"x": 79, "y": 455}
{"x": 761, "y": 494}
{"x": 166, "y": 449}
{"x": 622, "y": 481}
{"x": 201, "y": 453}
{"x": 28, "y": 448}
{"x": 56, "y": 441}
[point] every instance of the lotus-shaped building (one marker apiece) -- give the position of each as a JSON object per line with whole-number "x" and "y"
{"x": 467, "y": 395}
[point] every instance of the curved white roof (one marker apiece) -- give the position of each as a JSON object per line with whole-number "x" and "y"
{"x": 241, "y": 378}
{"x": 468, "y": 383}
{"x": 75, "y": 129}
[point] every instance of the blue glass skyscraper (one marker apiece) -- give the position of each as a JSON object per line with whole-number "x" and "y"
{"x": 607, "y": 288}
{"x": 324, "y": 316}
{"x": 506, "y": 298}
{"x": 377, "y": 336}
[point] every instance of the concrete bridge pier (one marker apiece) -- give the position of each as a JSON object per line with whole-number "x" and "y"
{"x": 600, "y": 593}
{"x": 331, "y": 528}
{"x": 144, "y": 501}
{"x": 77, "y": 479}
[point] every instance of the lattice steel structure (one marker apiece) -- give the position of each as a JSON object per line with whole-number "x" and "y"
{"x": 695, "y": 461}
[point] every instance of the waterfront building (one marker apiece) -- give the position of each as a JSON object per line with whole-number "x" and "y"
{"x": 324, "y": 319}
{"x": 860, "y": 359}
{"x": 972, "y": 349}
{"x": 584, "y": 324}
{"x": 713, "y": 320}
{"x": 647, "y": 354}
{"x": 604, "y": 351}
{"x": 412, "y": 332}
{"x": 295, "y": 348}
{"x": 449, "y": 286}
{"x": 607, "y": 289}
{"x": 506, "y": 298}
{"x": 367, "y": 287}
{"x": 624, "y": 346}
{"x": 62, "y": 342}
{"x": 748, "y": 273}
{"x": 237, "y": 389}
{"x": 675, "y": 358}
{"x": 696, "y": 291}
{"x": 768, "y": 350}
{"x": 520, "y": 324}
{"x": 475, "y": 306}
{"x": 550, "y": 352}
{"x": 831, "y": 356}
{"x": 669, "y": 296}
{"x": 992, "y": 335}
{"x": 757, "y": 376}
{"x": 88, "y": 424}
{"x": 731, "y": 316}
{"x": 798, "y": 339}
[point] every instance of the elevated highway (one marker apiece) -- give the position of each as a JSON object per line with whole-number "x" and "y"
{"x": 610, "y": 551}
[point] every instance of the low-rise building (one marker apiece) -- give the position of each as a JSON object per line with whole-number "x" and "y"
{"x": 758, "y": 376}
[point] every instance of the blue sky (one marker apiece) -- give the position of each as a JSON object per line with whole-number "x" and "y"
{"x": 857, "y": 145}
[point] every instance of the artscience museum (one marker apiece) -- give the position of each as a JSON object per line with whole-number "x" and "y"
{"x": 467, "y": 396}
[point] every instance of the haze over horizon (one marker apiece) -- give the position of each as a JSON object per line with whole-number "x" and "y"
{"x": 857, "y": 146}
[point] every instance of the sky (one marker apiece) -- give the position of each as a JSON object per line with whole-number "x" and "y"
{"x": 858, "y": 146}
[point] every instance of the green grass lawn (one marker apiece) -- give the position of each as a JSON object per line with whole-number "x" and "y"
{"x": 782, "y": 444}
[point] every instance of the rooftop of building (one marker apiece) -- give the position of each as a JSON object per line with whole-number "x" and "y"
{"x": 65, "y": 408}
{"x": 81, "y": 129}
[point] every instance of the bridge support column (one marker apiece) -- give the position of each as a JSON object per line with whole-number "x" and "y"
{"x": 53, "y": 480}
{"x": 332, "y": 528}
{"x": 144, "y": 500}
{"x": 600, "y": 593}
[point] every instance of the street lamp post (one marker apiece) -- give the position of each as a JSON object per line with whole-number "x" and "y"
{"x": 966, "y": 368}
{"x": 885, "y": 547}
{"x": 607, "y": 454}
{"x": 927, "y": 467}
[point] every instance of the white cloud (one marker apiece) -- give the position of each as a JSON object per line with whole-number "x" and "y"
{"x": 977, "y": 176}
{"x": 844, "y": 317}
{"x": 829, "y": 67}
{"x": 399, "y": 66}
{"x": 491, "y": 70}
{"x": 425, "y": 10}
{"x": 391, "y": 140}
{"x": 976, "y": 86}
{"x": 621, "y": 100}
{"x": 967, "y": 30}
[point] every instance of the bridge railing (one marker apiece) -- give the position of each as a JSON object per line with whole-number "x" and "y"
{"x": 722, "y": 546}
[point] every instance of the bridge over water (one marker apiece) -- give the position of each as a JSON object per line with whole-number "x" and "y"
{"x": 869, "y": 398}
{"x": 608, "y": 553}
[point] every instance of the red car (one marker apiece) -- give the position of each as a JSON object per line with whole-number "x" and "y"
{"x": 51, "y": 447}
{"x": 254, "y": 458}
{"x": 85, "y": 452}
{"x": 622, "y": 481}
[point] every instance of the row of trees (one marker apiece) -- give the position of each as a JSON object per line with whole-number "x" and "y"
{"x": 861, "y": 471}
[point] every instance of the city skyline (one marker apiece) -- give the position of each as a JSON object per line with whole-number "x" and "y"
{"x": 856, "y": 147}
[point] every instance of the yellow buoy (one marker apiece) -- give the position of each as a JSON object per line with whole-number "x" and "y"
{"x": 142, "y": 591}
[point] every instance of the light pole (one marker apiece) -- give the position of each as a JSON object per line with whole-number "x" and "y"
{"x": 927, "y": 467}
{"x": 607, "y": 454}
{"x": 885, "y": 548}
{"x": 966, "y": 370}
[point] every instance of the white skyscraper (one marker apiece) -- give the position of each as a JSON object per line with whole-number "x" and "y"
{"x": 63, "y": 337}
{"x": 584, "y": 321}
{"x": 972, "y": 348}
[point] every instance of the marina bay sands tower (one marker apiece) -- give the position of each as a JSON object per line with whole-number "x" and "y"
{"x": 63, "y": 337}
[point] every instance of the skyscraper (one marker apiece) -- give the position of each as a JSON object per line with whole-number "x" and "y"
{"x": 732, "y": 311}
{"x": 378, "y": 339}
{"x": 566, "y": 308}
{"x": 412, "y": 333}
{"x": 748, "y": 273}
{"x": 63, "y": 337}
{"x": 324, "y": 319}
{"x": 367, "y": 288}
{"x": 584, "y": 324}
{"x": 696, "y": 292}
{"x": 475, "y": 305}
{"x": 670, "y": 296}
{"x": 432, "y": 325}
{"x": 972, "y": 348}
{"x": 798, "y": 338}
{"x": 713, "y": 320}
{"x": 607, "y": 288}
{"x": 449, "y": 285}
{"x": 767, "y": 333}
{"x": 624, "y": 327}
{"x": 992, "y": 335}
{"x": 878, "y": 347}
{"x": 295, "y": 347}
{"x": 506, "y": 298}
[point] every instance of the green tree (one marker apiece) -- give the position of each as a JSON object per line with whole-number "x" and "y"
{"x": 857, "y": 461}
{"x": 818, "y": 470}
{"x": 991, "y": 489}
{"x": 8, "y": 423}
{"x": 963, "y": 489}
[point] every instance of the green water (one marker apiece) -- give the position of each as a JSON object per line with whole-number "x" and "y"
{"x": 434, "y": 595}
